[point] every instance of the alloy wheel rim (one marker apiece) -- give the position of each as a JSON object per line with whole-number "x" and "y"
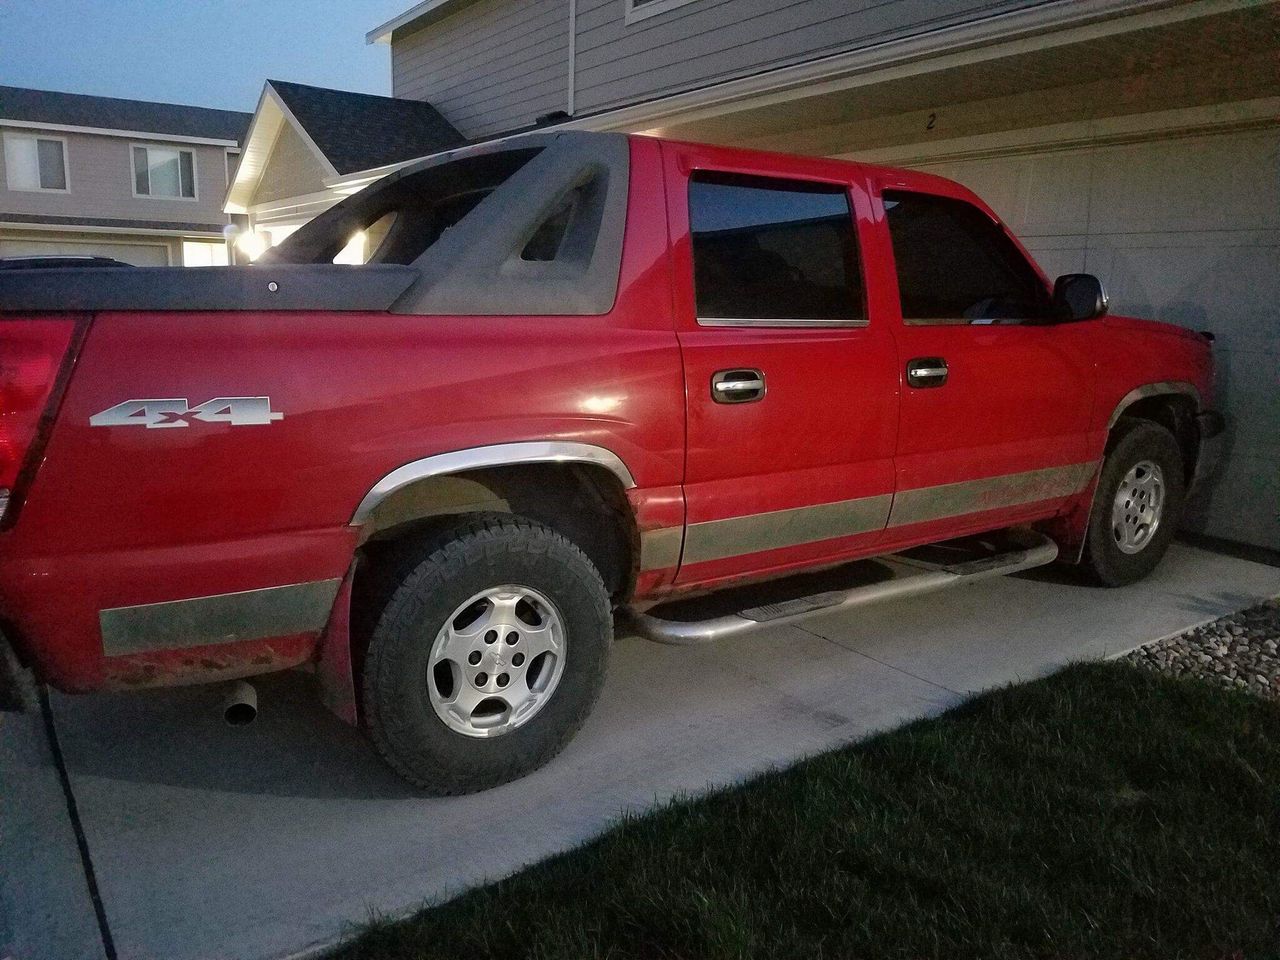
{"x": 497, "y": 661}
{"x": 1138, "y": 507}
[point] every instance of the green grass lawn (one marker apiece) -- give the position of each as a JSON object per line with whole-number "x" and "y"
{"x": 1103, "y": 812}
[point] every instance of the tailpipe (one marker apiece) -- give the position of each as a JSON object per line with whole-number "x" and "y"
{"x": 240, "y": 707}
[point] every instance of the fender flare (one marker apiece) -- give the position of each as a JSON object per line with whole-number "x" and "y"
{"x": 495, "y": 455}
{"x": 1162, "y": 388}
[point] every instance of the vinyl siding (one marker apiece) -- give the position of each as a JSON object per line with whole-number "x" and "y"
{"x": 292, "y": 171}
{"x": 496, "y": 65}
{"x": 100, "y": 177}
{"x": 708, "y": 40}
{"x": 492, "y": 66}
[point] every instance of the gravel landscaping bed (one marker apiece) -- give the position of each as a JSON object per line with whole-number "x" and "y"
{"x": 1238, "y": 651}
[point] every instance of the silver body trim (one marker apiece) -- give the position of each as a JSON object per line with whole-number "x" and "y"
{"x": 1040, "y": 551}
{"x": 660, "y": 549}
{"x": 1163, "y": 388}
{"x": 498, "y": 455}
{"x": 776, "y": 322}
{"x": 221, "y": 618}
{"x": 989, "y": 493}
{"x": 735, "y": 536}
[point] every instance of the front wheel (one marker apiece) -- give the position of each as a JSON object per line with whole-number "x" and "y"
{"x": 487, "y": 657}
{"x": 1137, "y": 505}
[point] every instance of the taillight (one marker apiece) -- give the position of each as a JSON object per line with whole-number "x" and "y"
{"x": 32, "y": 357}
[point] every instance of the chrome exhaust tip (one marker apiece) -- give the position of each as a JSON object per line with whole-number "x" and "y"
{"x": 240, "y": 708}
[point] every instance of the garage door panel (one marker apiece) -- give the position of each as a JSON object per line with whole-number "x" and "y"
{"x": 1242, "y": 502}
{"x": 1250, "y": 381}
{"x": 1204, "y": 282}
{"x": 138, "y": 254}
{"x": 1192, "y": 183}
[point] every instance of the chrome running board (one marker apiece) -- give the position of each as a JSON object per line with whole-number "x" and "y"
{"x": 1035, "y": 550}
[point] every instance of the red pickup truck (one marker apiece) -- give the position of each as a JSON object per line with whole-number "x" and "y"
{"x": 580, "y": 375}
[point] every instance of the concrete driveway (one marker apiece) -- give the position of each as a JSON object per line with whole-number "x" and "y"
{"x": 270, "y": 841}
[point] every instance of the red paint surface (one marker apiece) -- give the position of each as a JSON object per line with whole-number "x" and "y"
{"x": 127, "y": 515}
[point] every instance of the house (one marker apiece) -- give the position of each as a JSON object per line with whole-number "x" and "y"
{"x": 1138, "y": 140}
{"x": 308, "y": 147}
{"x": 141, "y": 182}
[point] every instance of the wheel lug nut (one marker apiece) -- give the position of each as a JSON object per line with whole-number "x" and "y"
{"x": 503, "y": 679}
{"x": 517, "y": 659}
{"x": 491, "y": 636}
{"x": 481, "y": 679}
{"x": 474, "y": 658}
{"x": 513, "y": 637}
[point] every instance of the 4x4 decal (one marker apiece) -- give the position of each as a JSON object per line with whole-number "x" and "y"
{"x": 237, "y": 411}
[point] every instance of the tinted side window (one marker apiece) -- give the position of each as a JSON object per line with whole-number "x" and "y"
{"x": 773, "y": 250}
{"x": 957, "y": 266}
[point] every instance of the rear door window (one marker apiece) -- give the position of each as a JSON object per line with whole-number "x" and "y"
{"x": 773, "y": 252}
{"x": 956, "y": 265}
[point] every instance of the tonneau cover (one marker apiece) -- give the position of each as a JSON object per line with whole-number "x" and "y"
{"x": 324, "y": 286}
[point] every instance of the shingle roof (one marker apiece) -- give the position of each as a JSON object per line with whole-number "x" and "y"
{"x": 112, "y": 113}
{"x": 359, "y": 131}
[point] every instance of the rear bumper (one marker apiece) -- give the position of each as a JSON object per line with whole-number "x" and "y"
{"x": 1210, "y": 425}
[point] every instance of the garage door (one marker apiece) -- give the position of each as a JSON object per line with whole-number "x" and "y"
{"x": 1184, "y": 230}
{"x": 139, "y": 254}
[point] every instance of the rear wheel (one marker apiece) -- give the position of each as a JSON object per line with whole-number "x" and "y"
{"x": 1137, "y": 505}
{"x": 487, "y": 657}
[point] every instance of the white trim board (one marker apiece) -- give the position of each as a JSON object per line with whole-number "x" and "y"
{"x": 382, "y": 32}
{"x": 1184, "y": 122}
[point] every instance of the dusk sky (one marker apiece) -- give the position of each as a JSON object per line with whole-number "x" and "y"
{"x": 210, "y": 53}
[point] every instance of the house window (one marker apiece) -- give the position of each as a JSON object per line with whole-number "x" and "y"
{"x": 640, "y": 9}
{"x": 164, "y": 172}
{"x": 770, "y": 252}
{"x": 202, "y": 253}
{"x": 36, "y": 163}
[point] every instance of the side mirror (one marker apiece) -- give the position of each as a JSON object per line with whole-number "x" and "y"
{"x": 1079, "y": 296}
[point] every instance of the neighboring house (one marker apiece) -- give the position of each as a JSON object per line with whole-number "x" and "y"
{"x": 308, "y": 147}
{"x": 1135, "y": 139}
{"x": 140, "y": 182}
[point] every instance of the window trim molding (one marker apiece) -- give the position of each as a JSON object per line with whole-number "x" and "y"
{"x": 781, "y": 322}
{"x": 37, "y": 137}
{"x": 633, "y": 13}
{"x": 195, "y": 172}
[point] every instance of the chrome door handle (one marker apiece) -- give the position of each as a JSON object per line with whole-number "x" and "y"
{"x": 927, "y": 372}
{"x": 741, "y": 385}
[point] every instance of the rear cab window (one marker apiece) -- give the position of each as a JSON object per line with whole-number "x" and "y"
{"x": 773, "y": 252}
{"x": 956, "y": 265}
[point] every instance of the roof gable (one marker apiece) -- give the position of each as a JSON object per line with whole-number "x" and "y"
{"x": 359, "y": 131}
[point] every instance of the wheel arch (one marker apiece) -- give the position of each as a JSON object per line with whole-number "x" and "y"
{"x": 577, "y": 489}
{"x": 1173, "y": 404}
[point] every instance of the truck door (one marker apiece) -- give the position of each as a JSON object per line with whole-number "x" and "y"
{"x": 791, "y": 387}
{"x": 996, "y": 396}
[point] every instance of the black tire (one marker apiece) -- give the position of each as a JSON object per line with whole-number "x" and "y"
{"x": 455, "y": 565}
{"x": 1133, "y": 442}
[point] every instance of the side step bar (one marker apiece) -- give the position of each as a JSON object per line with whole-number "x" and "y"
{"x": 1038, "y": 551}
